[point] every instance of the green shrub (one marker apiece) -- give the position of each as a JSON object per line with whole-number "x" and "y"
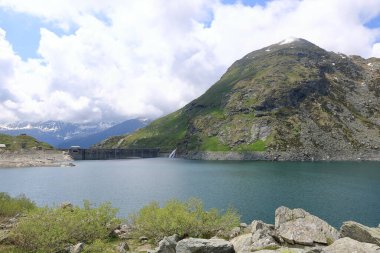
{"x": 11, "y": 206}
{"x": 182, "y": 218}
{"x": 53, "y": 229}
{"x": 99, "y": 246}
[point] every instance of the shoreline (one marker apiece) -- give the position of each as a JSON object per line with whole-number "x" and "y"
{"x": 35, "y": 158}
{"x": 279, "y": 156}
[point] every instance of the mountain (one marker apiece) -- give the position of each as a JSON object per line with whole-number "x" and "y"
{"x": 22, "y": 142}
{"x": 125, "y": 127}
{"x": 288, "y": 101}
{"x": 54, "y": 132}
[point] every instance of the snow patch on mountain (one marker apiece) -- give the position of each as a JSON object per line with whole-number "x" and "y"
{"x": 288, "y": 40}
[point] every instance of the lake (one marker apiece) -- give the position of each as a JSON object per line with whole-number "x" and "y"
{"x": 334, "y": 191}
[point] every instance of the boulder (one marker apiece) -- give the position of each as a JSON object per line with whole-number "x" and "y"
{"x": 122, "y": 247}
{"x": 348, "y": 245}
{"x": 143, "y": 239}
{"x": 242, "y": 243}
{"x": 235, "y": 232}
{"x": 300, "y": 227}
{"x": 257, "y": 225}
{"x": 77, "y": 248}
{"x": 284, "y": 250}
{"x": 194, "y": 245}
{"x": 360, "y": 232}
{"x": 262, "y": 235}
{"x": 243, "y": 225}
{"x": 66, "y": 205}
{"x": 122, "y": 231}
{"x": 3, "y": 235}
{"x": 167, "y": 245}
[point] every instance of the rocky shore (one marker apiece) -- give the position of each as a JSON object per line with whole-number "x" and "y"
{"x": 282, "y": 156}
{"x": 294, "y": 231}
{"x": 34, "y": 158}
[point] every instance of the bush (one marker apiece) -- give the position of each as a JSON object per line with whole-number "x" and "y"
{"x": 53, "y": 229}
{"x": 182, "y": 218}
{"x": 99, "y": 246}
{"x": 11, "y": 206}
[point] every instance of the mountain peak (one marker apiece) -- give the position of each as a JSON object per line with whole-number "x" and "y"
{"x": 292, "y": 100}
{"x": 289, "y": 40}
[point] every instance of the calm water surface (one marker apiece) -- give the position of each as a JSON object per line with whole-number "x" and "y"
{"x": 334, "y": 191}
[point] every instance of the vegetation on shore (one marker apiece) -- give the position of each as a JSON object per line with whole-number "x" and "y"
{"x": 184, "y": 219}
{"x": 54, "y": 229}
{"x": 19, "y": 142}
{"x": 10, "y": 207}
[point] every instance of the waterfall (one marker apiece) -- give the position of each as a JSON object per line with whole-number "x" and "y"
{"x": 172, "y": 154}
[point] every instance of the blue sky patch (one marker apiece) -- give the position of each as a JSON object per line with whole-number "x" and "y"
{"x": 246, "y": 2}
{"x": 373, "y": 23}
{"x": 23, "y": 32}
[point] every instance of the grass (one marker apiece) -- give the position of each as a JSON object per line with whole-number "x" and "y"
{"x": 213, "y": 144}
{"x": 257, "y": 146}
{"x": 9, "y": 206}
{"x": 22, "y": 142}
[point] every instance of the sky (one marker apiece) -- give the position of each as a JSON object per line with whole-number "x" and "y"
{"x": 90, "y": 61}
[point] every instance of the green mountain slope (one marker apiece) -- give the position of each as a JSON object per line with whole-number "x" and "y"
{"x": 286, "y": 101}
{"x": 22, "y": 142}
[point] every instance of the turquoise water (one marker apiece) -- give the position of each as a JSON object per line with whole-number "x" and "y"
{"x": 334, "y": 191}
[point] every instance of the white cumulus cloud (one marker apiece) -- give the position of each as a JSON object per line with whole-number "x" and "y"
{"x": 146, "y": 58}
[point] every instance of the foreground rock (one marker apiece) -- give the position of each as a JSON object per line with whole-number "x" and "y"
{"x": 77, "y": 248}
{"x": 194, "y": 245}
{"x": 360, "y": 232}
{"x": 300, "y": 227}
{"x": 242, "y": 243}
{"x": 34, "y": 158}
{"x": 348, "y": 245}
{"x": 167, "y": 245}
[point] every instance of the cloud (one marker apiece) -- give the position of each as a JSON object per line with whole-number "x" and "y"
{"x": 146, "y": 58}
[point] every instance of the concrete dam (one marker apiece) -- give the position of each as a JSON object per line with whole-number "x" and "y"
{"x": 112, "y": 154}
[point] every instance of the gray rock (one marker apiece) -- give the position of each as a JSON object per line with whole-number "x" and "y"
{"x": 348, "y": 245}
{"x": 66, "y": 205}
{"x": 242, "y": 243}
{"x": 283, "y": 250}
{"x": 360, "y": 232}
{"x": 4, "y": 234}
{"x": 143, "y": 239}
{"x": 167, "y": 245}
{"x": 77, "y": 248}
{"x": 194, "y": 245}
{"x": 300, "y": 227}
{"x": 260, "y": 225}
{"x": 122, "y": 247}
{"x": 235, "y": 232}
{"x": 123, "y": 231}
{"x": 262, "y": 235}
{"x": 243, "y": 225}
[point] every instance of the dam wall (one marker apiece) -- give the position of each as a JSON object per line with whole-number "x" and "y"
{"x": 113, "y": 154}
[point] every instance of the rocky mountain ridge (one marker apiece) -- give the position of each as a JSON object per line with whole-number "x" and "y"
{"x": 65, "y": 134}
{"x": 288, "y": 101}
{"x": 54, "y": 132}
